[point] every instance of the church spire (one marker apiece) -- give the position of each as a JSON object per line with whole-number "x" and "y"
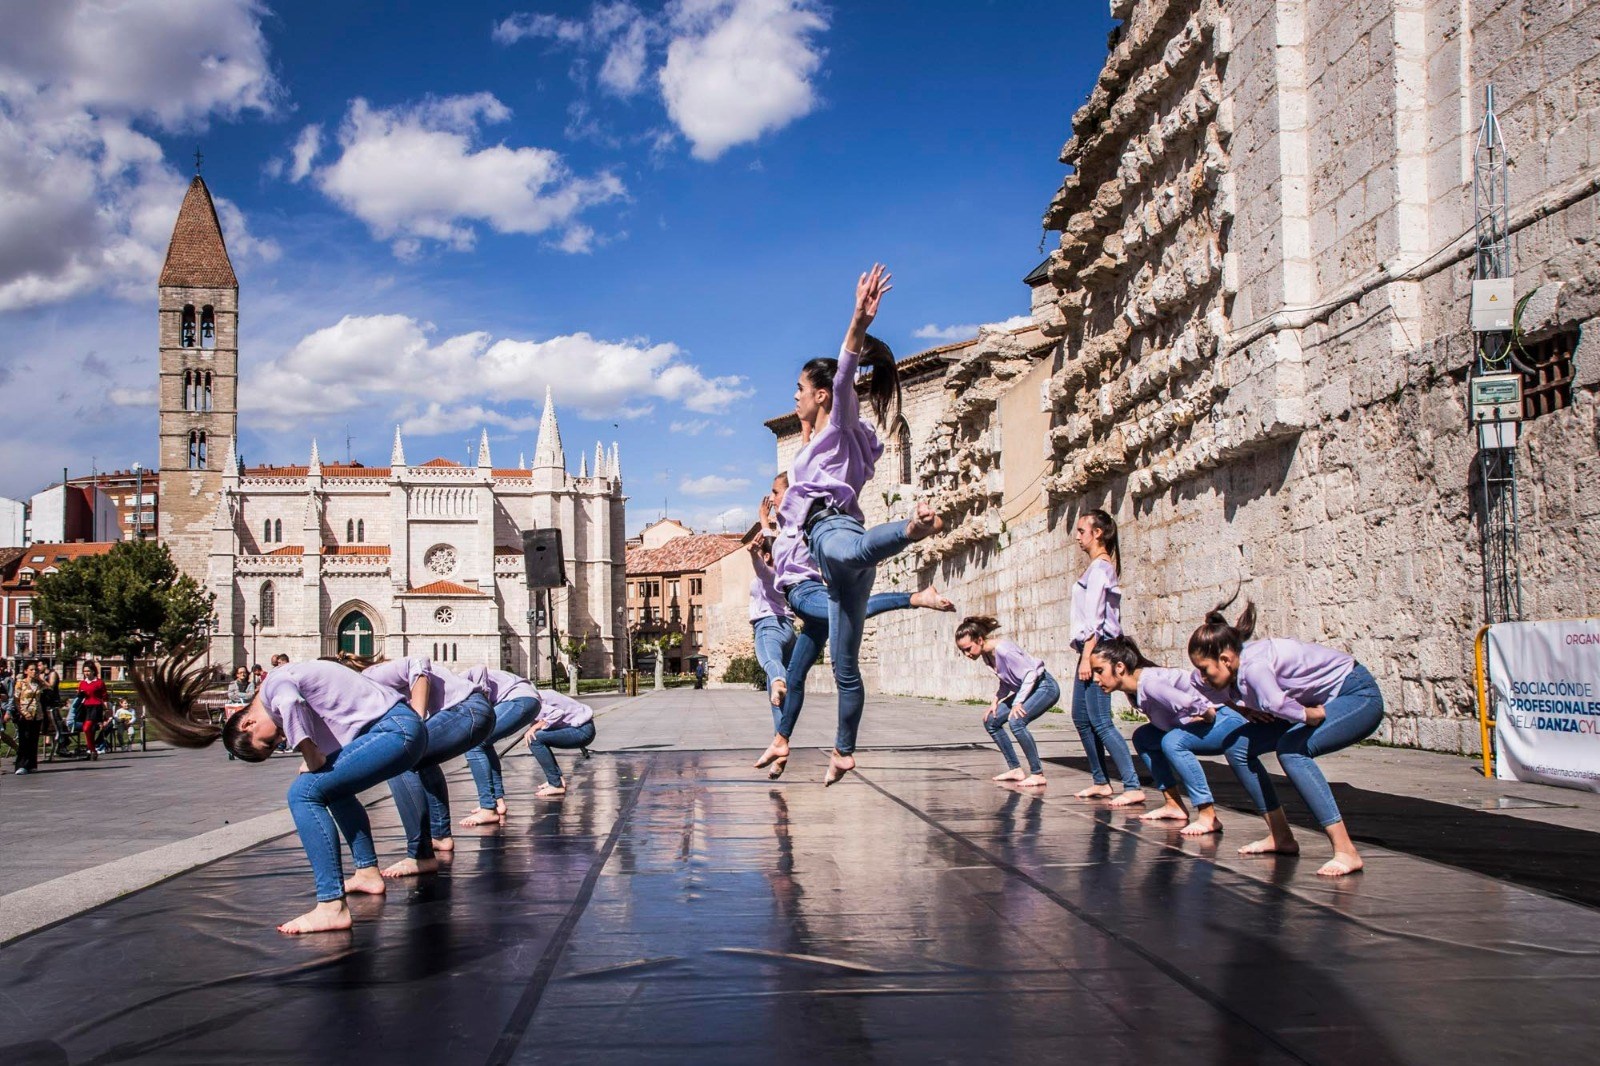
{"x": 583, "y": 466}
{"x": 230, "y": 465}
{"x": 397, "y": 454}
{"x": 197, "y": 257}
{"x": 315, "y": 466}
{"x": 483, "y": 451}
{"x": 616, "y": 462}
{"x": 548, "y": 450}
{"x": 599, "y": 460}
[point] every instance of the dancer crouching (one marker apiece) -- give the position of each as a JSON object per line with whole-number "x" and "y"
{"x": 1305, "y": 700}
{"x": 352, "y": 734}
{"x": 1096, "y": 615}
{"x": 563, "y": 723}
{"x": 516, "y": 704}
{"x": 457, "y": 717}
{"x": 838, "y": 459}
{"x": 1183, "y": 724}
{"x": 1026, "y": 691}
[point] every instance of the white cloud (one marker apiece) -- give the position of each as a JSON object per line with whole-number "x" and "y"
{"x": 619, "y": 30}
{"x": 394, "y": 362}
{"x": 951, "y": 334}
{"x": 418, "y": 173}
{"x": 89, "y": 198}
{"x": 693, "y": 427}
{"x": 304, "y": 153}
{"x": 737, "y": 69}
{"x": 713, "y": 485}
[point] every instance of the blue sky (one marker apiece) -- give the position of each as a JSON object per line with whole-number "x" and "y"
{"x": 436, "y": 210}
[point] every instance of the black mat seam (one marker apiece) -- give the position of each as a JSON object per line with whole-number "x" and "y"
{"x": 1195, "y": 988}
{"x": 528, "y": 1004}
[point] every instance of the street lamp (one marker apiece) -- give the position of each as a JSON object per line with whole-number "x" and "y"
{"x": 255, "y": 624}
{"x": 138, "y": 502}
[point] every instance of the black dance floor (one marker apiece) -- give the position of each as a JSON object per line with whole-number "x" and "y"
{"x": 677, "y": 907}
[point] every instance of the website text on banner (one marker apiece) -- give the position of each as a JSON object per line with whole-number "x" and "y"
{"x": 1544, "y": 680}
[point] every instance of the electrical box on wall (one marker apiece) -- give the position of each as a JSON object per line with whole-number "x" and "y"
{"x": 1494, "y": 303}
{"x": 1495, "y": 405}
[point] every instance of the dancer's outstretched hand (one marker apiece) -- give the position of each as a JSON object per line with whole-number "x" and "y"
{"x": 870, "y": 289}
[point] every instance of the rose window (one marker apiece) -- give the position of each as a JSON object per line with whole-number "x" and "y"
{"x": 444, "y": 616}
{"x": 440, "y": 560}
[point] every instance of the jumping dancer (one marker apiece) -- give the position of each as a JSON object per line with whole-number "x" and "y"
{"x": 352, "y": 733}
{"x": 769, "y": 612}
{"x": 563, "y": 723}
{"x": 1184, "y": 723}
{"x": 458, "y": 717}
{"x": 1306, "y": 701}
{"x": 1096, "y": 615}
{"x": 516, "y": 704}
{"x": 838, "y": 458}
{"x": 1026, "y": 691}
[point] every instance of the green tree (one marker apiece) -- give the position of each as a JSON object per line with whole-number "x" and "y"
{"x": 126, "y": 604}
{"x": 573, "y": 648}
{"x": 659, "y": 646}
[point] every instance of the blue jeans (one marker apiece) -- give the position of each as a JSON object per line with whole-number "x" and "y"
{"x": 1044, "y": 696}
{"x": 570, "y": 736}
{"x": 813, "y": 603}
{"x": 775, "y": 639}
{"x": 325, "y": 799}
{"x": 1091, "y": 713}
{"x": 1171, "y": 756}
{"x": 510, "y": 717}
{"x": 1352, "y": 716}
{"x": 421, "y": 793}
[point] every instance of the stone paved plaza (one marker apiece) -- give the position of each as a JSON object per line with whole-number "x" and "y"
{"x": 678, "y": 906}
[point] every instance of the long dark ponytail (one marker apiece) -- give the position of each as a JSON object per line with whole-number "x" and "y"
{"x": 1216, "y": 636}
{"x": 1121, "y": 650}
{"x": 883, "y": 379}
{"x": 1106, "y": 526}
{"x": 977, "y": 627}
{"x": 171, "y": 691}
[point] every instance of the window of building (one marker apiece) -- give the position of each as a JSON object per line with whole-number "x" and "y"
{"x": 672, "y": 591}
{"x": 186, "y": 327}
{"x": 1549, "y": 387}
{"x": 197, "y": 449}
{"x": 188, "y": 390}
{"x": 350, "y": 531}
{"x": 697, "y": 615}
{"x": 355, "y": 634}
{"x": 652, "y": 590}
{"x": 902, "y": 445}
{"x": 208, "y": 328}
{"x": 205, "y": 391}
{"x": 269, "y": 605}
{"x": 696, "y": 585}
{"x": 25, "y": 614}
{"x": 266, "y": 531}
{"x": 361, "y": 531}
{"x": 277, "y": 530}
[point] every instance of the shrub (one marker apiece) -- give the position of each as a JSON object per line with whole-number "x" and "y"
{"x": 745, "y": 670}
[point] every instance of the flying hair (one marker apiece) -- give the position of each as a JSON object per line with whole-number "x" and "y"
{"x": 171, "y": 691}
{"x": 1216, "y": 636}
{"x": 883, "y": 378}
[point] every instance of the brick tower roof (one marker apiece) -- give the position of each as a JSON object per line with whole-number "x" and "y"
{"x": 198, "y": 256}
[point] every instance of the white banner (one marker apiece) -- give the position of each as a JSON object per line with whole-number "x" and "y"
{"x": 1544, "y": 686}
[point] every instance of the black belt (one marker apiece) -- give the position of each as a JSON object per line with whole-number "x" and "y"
{"x": 820, "y": 509}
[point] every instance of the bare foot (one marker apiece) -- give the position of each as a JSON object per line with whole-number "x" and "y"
{"x": 366, "y": 881}
{"x": 1094, "y": 792}
{"x": 838, "y": 766}
{"x": 1205, "y": 823}
{"x": 931, "y": 599}
{"x": 924, "y": 523}
{"x": 1270, "y": 846}
{"x": 1342, "y": 863}
{"x": 1167, "y": 812}
{"x": 327, "y": 917}
{"x": 1032, "y": 781}
{"x": 778, "y": 749}
{"x": 545, "y": 791}
{"x": 1010, "y": 775}
{"x": 1128, "y": 799}
{"x": 412, "y": 868}
{"x": 779, "y": 765}
{"x": 444, "y": 844}
{"x": 500, "y": 805}
{"x": 482, "y": 816}
{"x": 778, "y": 690}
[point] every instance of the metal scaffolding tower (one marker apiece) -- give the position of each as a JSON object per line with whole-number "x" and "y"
{"x": 1496, "y": 363}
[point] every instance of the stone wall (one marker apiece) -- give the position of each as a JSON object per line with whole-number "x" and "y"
{"x": 1260, "y": 356}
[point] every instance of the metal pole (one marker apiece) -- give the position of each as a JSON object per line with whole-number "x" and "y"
{"x": 550, "y": 625}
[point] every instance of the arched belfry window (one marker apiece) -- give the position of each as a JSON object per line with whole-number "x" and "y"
{"x": 350, "y": 531}
{"x": 197, "y": 449}
{"x": 205, "y": 392}
{"x": 277, "y": 530}
{"x": 266, "y": 531}
{"x": 208, "y": 327}
{"x": 361, "y": 531}
{"x": 188, "y": 390}
{"x": 269, "y": 606}
{"x": 902, "y": 445}
{"x": 186, "y": 329}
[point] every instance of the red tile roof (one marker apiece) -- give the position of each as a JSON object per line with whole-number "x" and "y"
{"x": 440, "y": 462}
{"x": 289, "y": 549}
{"x": 198, "y": 256}
{"x": 512, "y": 474}
{"x": 506, "y": 549}
{"x": 357, "y": 549}
{"x": 682, "y": 554}
{"x": 41, "y": 557}
{"x": 443, "y": 588}
{"x": 355, "y": 470}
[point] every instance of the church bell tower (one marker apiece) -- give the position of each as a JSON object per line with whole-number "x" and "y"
{"x": 198, "y": 308}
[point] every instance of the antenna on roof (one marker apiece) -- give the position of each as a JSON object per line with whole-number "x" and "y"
{"x": 198, "y": 159}
{"x": 347, "y": 440}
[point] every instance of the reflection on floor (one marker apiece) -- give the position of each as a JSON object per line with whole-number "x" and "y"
{"x": 678, "y": 907}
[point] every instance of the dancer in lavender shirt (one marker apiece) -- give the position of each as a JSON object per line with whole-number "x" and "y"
{"x": 838, "y": 457}
{"x": 1305, "y": 700}
{"x": 1096, "y": 615}
{"x": 352, "y": 734}
{"x": 516, "y": 704}
{"x": 1026, "y": 691}
{"x": 563, "y": 723}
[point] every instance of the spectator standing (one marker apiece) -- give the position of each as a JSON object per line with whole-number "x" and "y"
{"x": 257, "y": 675}
{"x": 8, "y": 704}
{"x": 279, "y": 660}
{"x": 91, "y": 708}
{"x": 29, "y": 716}
{"x": 241, "y": 689}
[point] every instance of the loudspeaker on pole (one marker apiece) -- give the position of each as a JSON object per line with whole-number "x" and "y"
{"x": 541, "y": 555}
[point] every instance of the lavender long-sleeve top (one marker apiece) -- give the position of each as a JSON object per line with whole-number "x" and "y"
{"x": 1283, "y": 677}
{"x": 765, "y": 599}
{"x": 1015, "y": 668}
{"x": 1170, "y": 698}
{"x": 791, "y": 559}
{"x": 558, "y": 711}
{"x": 323, "y": 702}
{"x": 445, "y": 688}
{"x": 840, "y": 459}
{"x": 501, "y": 685}
{"x": 1097, "y": 603}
